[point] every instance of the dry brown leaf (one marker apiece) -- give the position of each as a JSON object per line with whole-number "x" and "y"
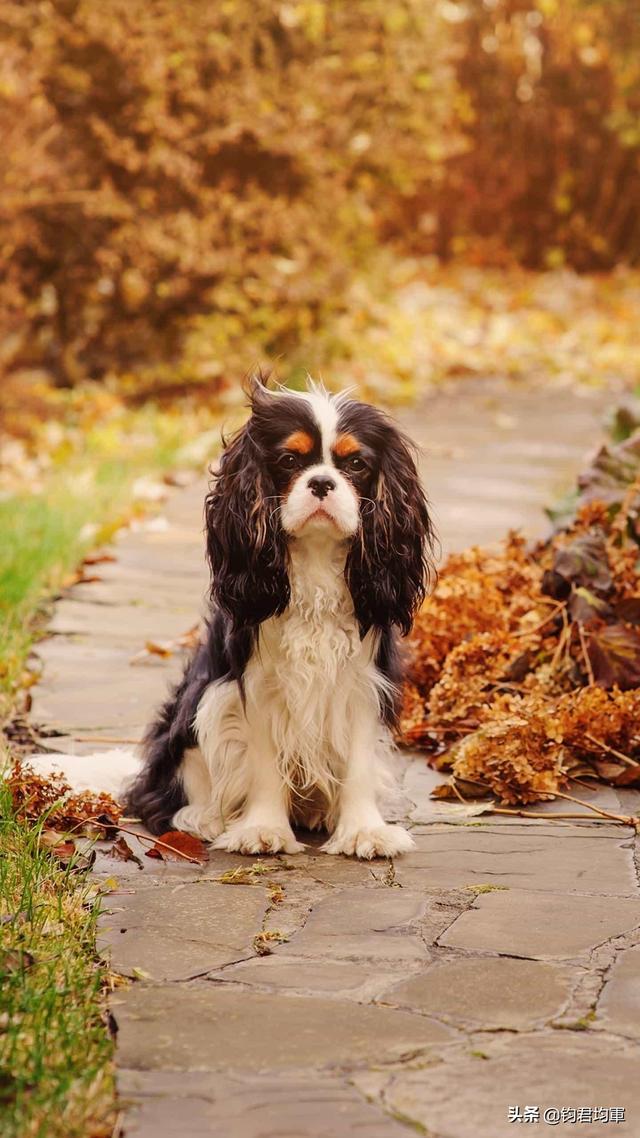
{"x": 121, "y": 850}
{"x": 178, "y": 846}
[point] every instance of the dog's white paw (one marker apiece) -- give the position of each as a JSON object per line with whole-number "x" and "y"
{"x": 369, "y": 841}
{"x": 205, "y": 824}
{"x": 246, "y": 838}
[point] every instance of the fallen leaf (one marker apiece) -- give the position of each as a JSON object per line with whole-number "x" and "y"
{"x": 609, "y": 770}
{"x": 97, "y": 558}
{"x": 102, "y": 826}
{"x": 584, "y": 562}
{"x": 262, "y": 941}
{"x": 586, "y": 607}
{"x": 519, "y": 667}
{"x": 121, "y": 850}
{"x": 630, "y": 776}
{"x": 628, "y": 610}
{"x": 160, "y": 647}
{"x": 462, "y": 809}
{"x": 249, "y": 874}
{"x": 15, "y": 960}
{"x": 181, "y": 845}
{"x": 51, "y": 838}
{"x": 468, "y": 790}
{"x": 614, "y": 653}
{"x": 166, "y": 648}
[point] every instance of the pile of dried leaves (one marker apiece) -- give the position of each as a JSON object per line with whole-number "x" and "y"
{"x": 526, "y": 661}
{"x": 35, "y": 796}
{"x": 69, "y": 819}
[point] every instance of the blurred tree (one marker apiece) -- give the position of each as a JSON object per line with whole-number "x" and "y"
{"x": 186, "y": 187}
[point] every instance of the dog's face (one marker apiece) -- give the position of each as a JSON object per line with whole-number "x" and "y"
{"x": 323, "y": 466}
{"x": 307, "y": 464}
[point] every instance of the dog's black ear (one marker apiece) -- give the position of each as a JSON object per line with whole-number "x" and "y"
{"x": 246, "y": 545}
{"x": 390, "y": 563}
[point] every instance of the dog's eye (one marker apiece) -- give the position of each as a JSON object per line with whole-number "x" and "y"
{"x": 288, "y": 461}
{"x": 355, "y": 464}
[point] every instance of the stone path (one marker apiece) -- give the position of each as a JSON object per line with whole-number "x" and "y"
{"x": 497, "y": 965}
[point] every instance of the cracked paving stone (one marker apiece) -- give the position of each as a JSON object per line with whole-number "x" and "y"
{"x": 486, "y": 992}
{"x": 469, "y": 1096}
{"x": 310, "y": 977}
{"x": 175, "y": 931}
{"x": 377, "y": 924}
{"x": 209, "y": 1027}
{"x": 205, "y": 1105}
{"x": 619, "y": 1005}
{"x": 521, "y": 859}
{"x": 541, "y": 925}
{"x": 330, "y": 870}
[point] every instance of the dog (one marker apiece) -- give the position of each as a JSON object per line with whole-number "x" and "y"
{"x": 319, "y": 541}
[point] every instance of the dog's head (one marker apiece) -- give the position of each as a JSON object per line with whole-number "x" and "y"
{"x": 315, "y": 467}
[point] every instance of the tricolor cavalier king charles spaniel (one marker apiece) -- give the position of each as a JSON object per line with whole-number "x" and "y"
{"x": 319, "y": 541}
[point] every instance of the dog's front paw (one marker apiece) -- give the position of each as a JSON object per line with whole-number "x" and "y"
{"x": 205, "y": 824}
{"x": 369, "y": 841}
{"x": 250, "y": 838}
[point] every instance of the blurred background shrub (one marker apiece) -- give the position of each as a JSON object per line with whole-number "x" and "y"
{"x": 187, "y": 187}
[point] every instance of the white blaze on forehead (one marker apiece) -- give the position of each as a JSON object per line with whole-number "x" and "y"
{"x": 325, "y": 413}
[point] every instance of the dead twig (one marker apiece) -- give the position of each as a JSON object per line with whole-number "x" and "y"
{"x": 612, "y": 751}
{"x": 626, "y": 819}
{"x": 145, "y": 838}
{"x": 562, "y": 641}
{"x": 104, "y": 739}
{"x": 585, "y": 655}
{"x": 546, "y": 817}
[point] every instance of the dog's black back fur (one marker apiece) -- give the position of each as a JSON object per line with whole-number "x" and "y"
{"x": 157, "y": 792}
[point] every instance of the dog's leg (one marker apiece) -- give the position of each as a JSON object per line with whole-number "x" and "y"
{"x": 361, "y": 829}
{"x": 263, "y": 826}
{"x": 201, "y": 815}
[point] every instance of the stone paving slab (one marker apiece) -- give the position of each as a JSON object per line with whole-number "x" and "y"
{"x": 522, "y": 859}
{"x": 358, "y": 920}
{"x": 342, "y": 979}
{"x": 619, "y": 1006}
{"x": 209, "y": 1027}
{"x": 468, "y": 1096}
{"x": 179, "y": 930}
{"x": 490, "y": 993}
{"x": 487, "y": 472}
{"x": 121, "y": 623}
{"x": 206, "y": 1105}
{"x": 541, "y": 925}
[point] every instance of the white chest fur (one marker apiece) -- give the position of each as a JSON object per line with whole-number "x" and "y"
{"x": 310, "y": 666}
{"x": 310, "y": 678}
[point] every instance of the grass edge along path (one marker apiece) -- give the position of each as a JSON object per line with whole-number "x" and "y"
{"x": 56, "y": 1072}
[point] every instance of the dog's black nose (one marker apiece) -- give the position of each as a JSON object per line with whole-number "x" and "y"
{"x": 320, "y": 487}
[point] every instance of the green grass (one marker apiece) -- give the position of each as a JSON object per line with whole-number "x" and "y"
{"x": 56, "y": 1079}
{"x": 44, "y": 534}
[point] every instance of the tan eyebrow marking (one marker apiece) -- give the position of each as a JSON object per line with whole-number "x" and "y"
{"x": 346, "y": 445}
{"x": 300, "y": 442}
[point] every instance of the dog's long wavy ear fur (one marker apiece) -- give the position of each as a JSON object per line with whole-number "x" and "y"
{"x": 245, "y": 544}
{"x": 390, "y": 564}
